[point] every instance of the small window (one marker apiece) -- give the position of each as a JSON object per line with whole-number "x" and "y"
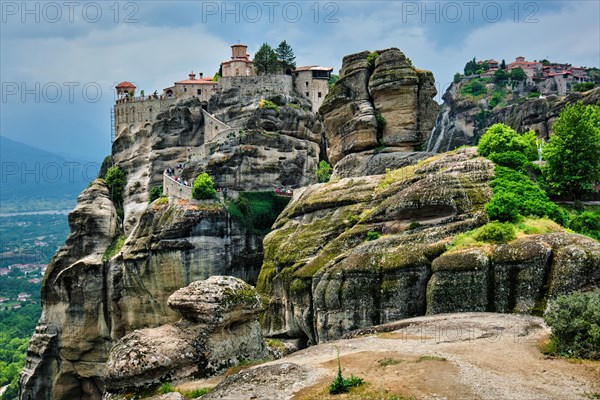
{"x": 307, "y": 94}
{"x": 199, "y": 91}
{"x": 319, "y": 95}
{"x": 185, "y": 89}
{"x": 306, "y": 84}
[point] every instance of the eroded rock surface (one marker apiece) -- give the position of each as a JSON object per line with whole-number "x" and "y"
{"x": 220, "y": 330}
{"x": 363, "y": 251}
{"x": 390, "y": 89}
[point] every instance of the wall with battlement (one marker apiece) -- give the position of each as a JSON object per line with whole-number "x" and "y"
{"x": 256, "y": 85}
{"x": 213, "y": 128}
{"x": 175, "y": 190}
{"x": 138, "y": 112}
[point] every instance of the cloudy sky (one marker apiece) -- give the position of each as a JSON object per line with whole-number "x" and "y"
{"x": 59, "y": 60}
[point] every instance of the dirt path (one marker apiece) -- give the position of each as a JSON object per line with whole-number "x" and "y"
{"x": 452, "y": 356}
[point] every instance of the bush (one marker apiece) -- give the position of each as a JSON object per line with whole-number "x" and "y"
{"x": 371, "y": 60}
{"x": 268, "y": 104}
{"x": 373, "y": 235}
{"x": 496, "y": 232}
{"x": 510, "y": 159}
{"x": 496, "y": 98}
{"x": 457, "y": 77}
{"x": 503, "y": 207}
{"x": 203, "y": 188}
{"x": 323, "y": 172}
{"x": 115, "y": 181}
{"x": 155, "y": 193}
{"x": 575, "y": 323}
{"x": 583, "y": 87}
{"x": 515, "y": 193}
{"x": 587, "y": 223}
{"x": 473, "y": 88}
{"x": 500, "y": 138}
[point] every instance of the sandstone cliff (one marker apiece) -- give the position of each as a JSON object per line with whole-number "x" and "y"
{"x": 363, "y": 251}
{"x": 381, "y": 100}
{"x": 462, "y": 120}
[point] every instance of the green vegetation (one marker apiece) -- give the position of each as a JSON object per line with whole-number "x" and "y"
{"x": 457, "y": 77}
{"x": 497, "y": 97}
{"x": 431, "y": 358}
{"x": 265, "y": 60}
{"x": 474, "y": 88}
{"x": 516, "y": 194}
{"x": 115, "y": 181}
{"x": 575, "y": 323}
{"x": 332, "y": 81}
{"x": 501, "y": 77}
{"x": 286, "y": 56}
{"x": 510, "y": 159}
{"x": 268, "y": 104}
{"x": 517, "y": 74}
{"x": 500, "y": 138}
{"x": 573, "y": 151}
{"x": 496, "y": 232}
{"x": 471, "y": 67}
{"x": 257, "y": 210}
{"x": 216, "y": 77}
{"x": 586, "y": 223}
{"x": 371, "y": 235}
{"x": 16, "y": 327}
{"x": 204, "y": 187}
{"x": 388, "y": 361}
{"x": 381, "y": 123}
{"x": 323, "y": 171}
{"x": 341, "y": 384}
{"x": 584, "y": 86}
{"x": 114, "y": 248}
{"x": 165, "y": 388}
{"x": 371, "y": 60}
{"x": 155, "y": 193}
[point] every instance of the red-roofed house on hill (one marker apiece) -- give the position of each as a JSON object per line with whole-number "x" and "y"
{"x": 531, "y": 68}
{"x": 200, "y": 87}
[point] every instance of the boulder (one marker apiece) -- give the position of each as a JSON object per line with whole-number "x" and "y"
{"x": 220, "y": 329}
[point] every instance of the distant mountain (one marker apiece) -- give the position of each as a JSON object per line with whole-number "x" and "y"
{"x": 33, "y": 179}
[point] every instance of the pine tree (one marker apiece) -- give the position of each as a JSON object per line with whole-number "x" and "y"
{"x": 286, "y": 56}
{"x": 265, "y": 60}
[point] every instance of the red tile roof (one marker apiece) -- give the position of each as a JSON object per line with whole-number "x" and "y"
{"x": 201, "y": 81}
{"x": 125, "y": 84}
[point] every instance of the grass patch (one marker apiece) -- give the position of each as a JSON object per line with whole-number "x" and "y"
{"x": 114, "y": 248}
{"x": 431, "y": 358}
{"x": 388, "y": 361}
{"x": 192, "y": 394}
{"x": 397, "y": 175}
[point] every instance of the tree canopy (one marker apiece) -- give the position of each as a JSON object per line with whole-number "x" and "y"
{"x": 572, "y": 155}
{"x": 286, "y": 56}
{"x": 265, "y": 60}
{"x": 518, "y": 74}
{"x": 204, "y": 187}
{"x": 500, "y": 138}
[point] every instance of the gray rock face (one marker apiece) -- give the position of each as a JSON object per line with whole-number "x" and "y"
{"x": 66, "y": 363}
{"x": 364, "y": 251}
{"x": 376, "y": 163}
{"x": 221, "y": 329}
{"x": 273, "y": 382}
{"x": 461, "y": 120}
{"x": 390, "y": 89}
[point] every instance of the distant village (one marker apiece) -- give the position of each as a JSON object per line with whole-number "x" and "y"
{"x": 32, "y": 272}
{"x": 134, "y": 109}
{"x": 557, "y": 77}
